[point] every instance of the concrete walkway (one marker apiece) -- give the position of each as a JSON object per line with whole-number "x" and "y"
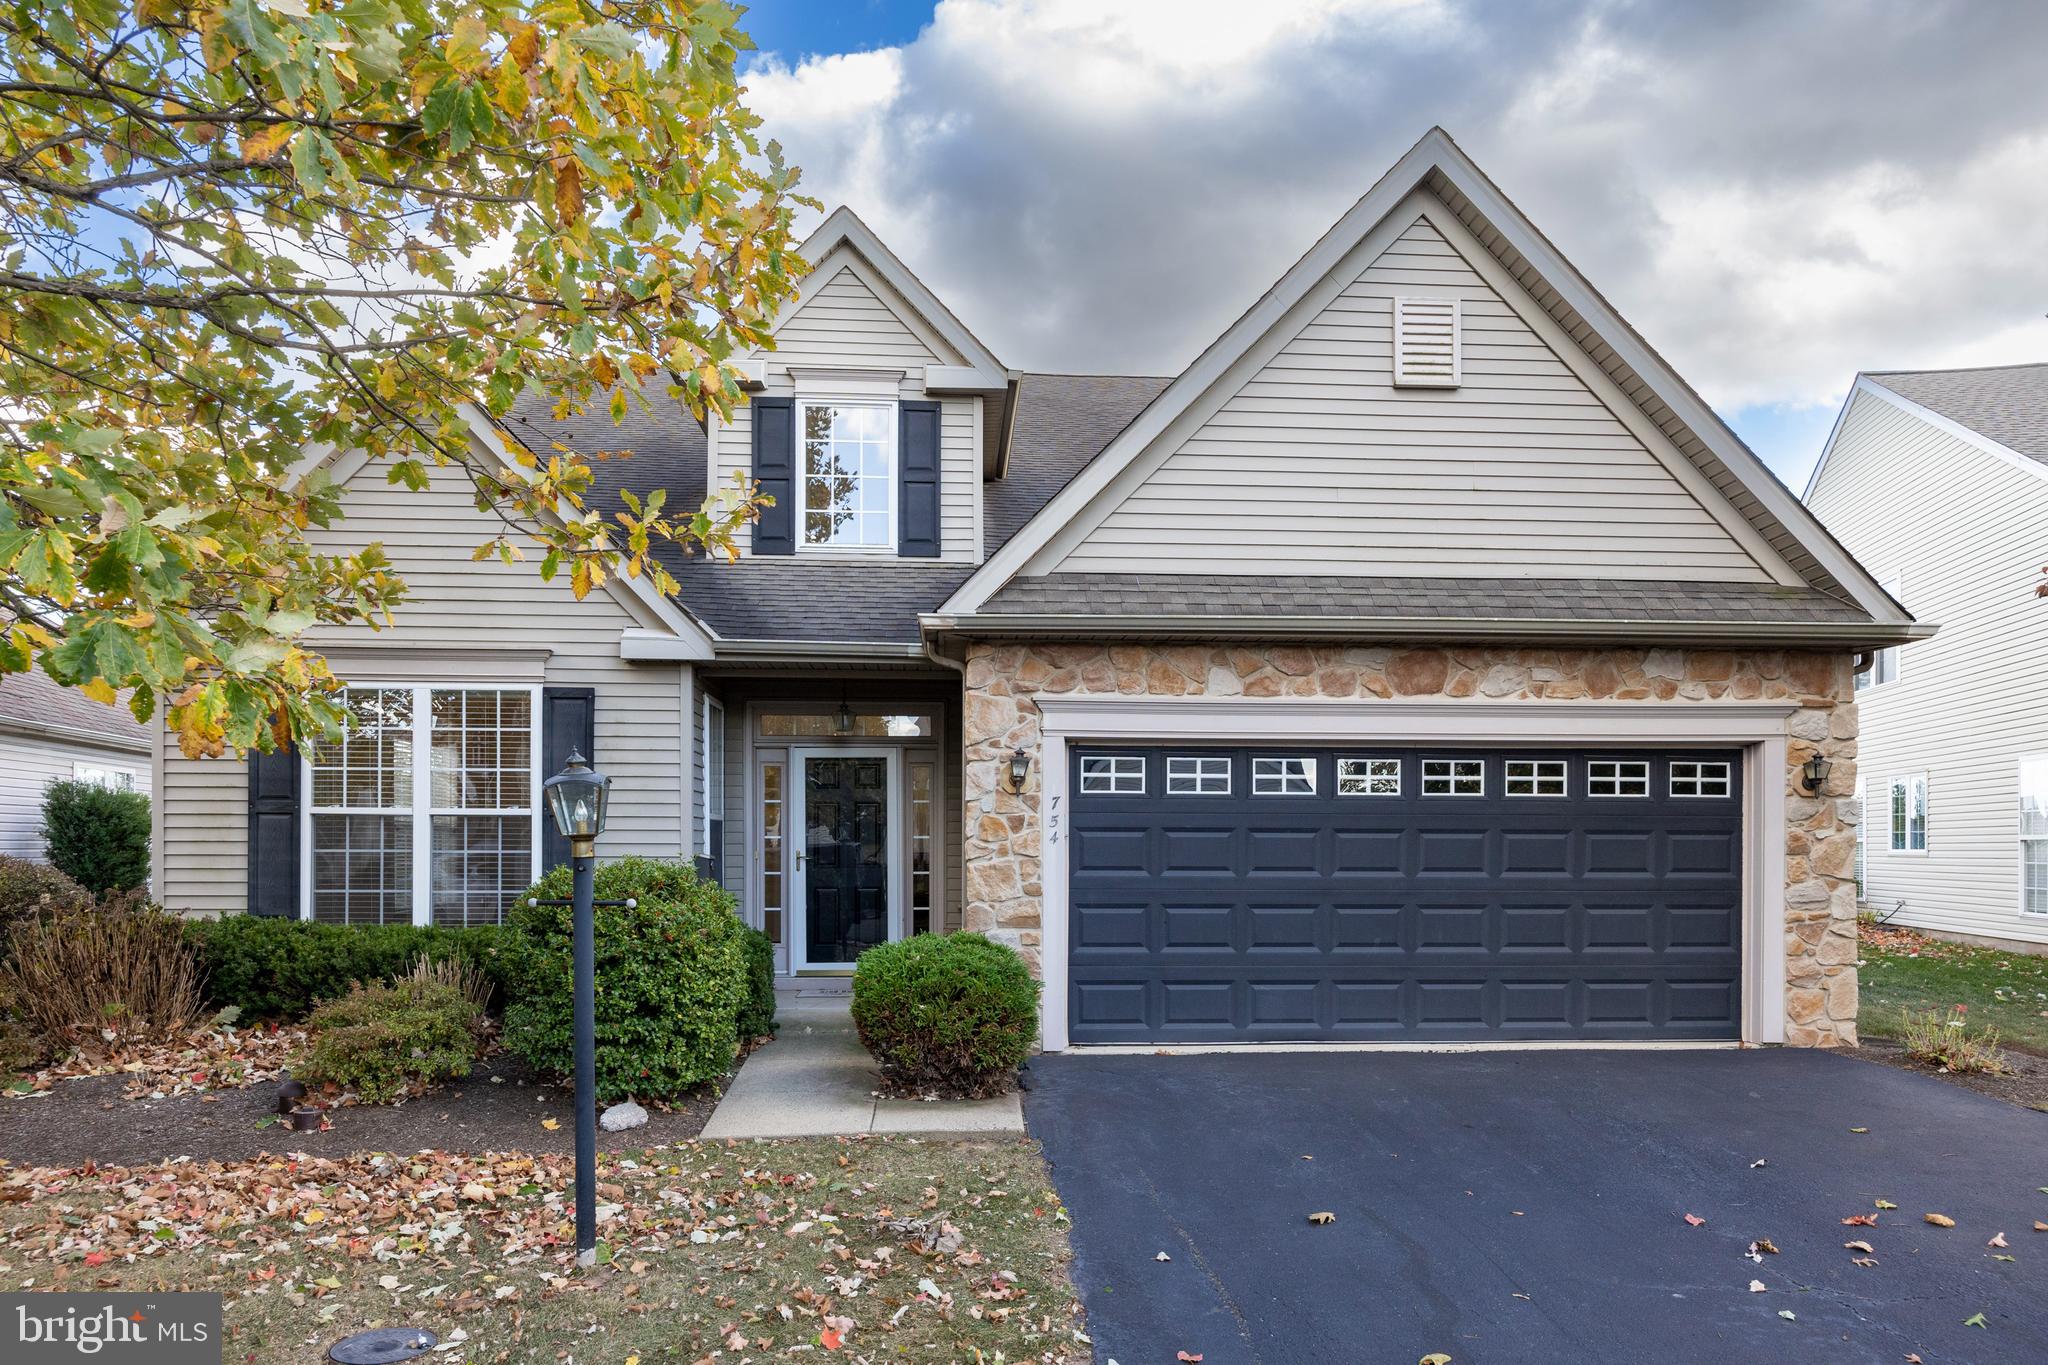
{"x": 816, "y": 1080}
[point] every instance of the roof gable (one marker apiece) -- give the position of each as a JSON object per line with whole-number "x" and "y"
{"x": 1574, "y": 310}
{"x": 1312, "y": 454}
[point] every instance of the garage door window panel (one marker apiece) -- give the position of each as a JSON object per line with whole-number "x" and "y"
{"x": 1453, "y": 777}
{"x": 1617, "y": 777}
{"x": 1535, "y": 777}
{"x": 1692, "y": 778}
{"x": 1289, "y": 776}
{"x": 1368, "y": 777}
{"x": 1113, "y": 775}
{"x": 1198, "y": 775}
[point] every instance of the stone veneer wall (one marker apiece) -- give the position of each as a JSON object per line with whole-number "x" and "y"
{"x": 1001, "y": 845}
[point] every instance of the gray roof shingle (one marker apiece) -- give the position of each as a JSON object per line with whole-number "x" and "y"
{"x": 1198, "y": 595}
{"x": 34, "y": 700}
{"x": 2008, "y": 403}
{"x": 1063, "y": 422}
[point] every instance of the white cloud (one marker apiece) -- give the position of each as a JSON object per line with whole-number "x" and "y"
{"x": 1775, "y": 195}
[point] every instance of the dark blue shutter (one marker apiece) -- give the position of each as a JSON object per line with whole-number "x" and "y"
{"x": 274, "y": 782}
{"x": 917, "y": 480}
{"x": 568, "y": 722}
{"x": 775, "y": 471}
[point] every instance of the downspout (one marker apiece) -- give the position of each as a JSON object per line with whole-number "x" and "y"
{"x": 1863, "y": 662}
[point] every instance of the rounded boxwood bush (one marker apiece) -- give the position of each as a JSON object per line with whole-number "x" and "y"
{"x": 98, "y": 836}
{"x": 385, "y": 1041}
{"x": 271, "y": 967}
{"x": 948, "y": 1013}
{"x": 671, "y": 979}
{"x": 757, "y": 1017}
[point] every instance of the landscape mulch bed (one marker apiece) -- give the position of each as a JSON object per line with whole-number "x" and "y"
{"x": 2026, "y": 1084}
{"x": 501, "y": 1107}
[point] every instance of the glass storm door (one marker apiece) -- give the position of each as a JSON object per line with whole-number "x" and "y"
{"x": 845, "y": 830}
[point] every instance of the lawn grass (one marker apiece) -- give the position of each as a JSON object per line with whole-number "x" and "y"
{"x": 856, "y": 1249}
{"x": 1902, "y": 971}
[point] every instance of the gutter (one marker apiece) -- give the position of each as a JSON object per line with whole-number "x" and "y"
{"x": 1439, "y": 629}
{"x": 815, "y": 651}
{"x": 74, "y": 735}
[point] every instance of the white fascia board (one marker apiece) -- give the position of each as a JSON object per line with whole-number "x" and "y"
{"x": 638, "y": 645}
{"x": 752, "y": 372}
{"x": 1970, "y": 436}
{"x": 843, "y": 226}
{"x": 628, "y": 592}
{"x": 963, "y": 379}
{"x": 1447, "y": 629}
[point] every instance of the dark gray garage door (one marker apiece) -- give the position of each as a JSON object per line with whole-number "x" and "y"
{"x": 1244, "y": 895}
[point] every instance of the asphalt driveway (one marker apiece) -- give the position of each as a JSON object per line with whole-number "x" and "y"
{"x": 1530, "y": 1207}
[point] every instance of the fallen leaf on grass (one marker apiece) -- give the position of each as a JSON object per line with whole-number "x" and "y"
{"x": 1996, "y": 1241}
{"x": 1864, "y": 1247}
{"x": 1976, "y": 1320}
{"x": 1940, "y": 1220}
{"x": 1319, "y": 1219}
{"x": 831, "y": 1339}
{"x": 632, "y": 1360}
{"x": 1695, "y": 1220}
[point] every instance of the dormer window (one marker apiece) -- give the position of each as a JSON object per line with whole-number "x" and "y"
{"x": 848, "y": 473}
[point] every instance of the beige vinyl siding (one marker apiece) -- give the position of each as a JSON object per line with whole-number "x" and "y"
{"x": 856, "y": 322}
{"x": 1318, "y": 459}
{"x": 1968, "y": 704}
{"x": 28, "y": 765}
{"x": 456, "y": 603}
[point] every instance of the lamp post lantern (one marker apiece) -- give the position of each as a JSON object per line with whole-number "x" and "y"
{"x": 576, "y": 798}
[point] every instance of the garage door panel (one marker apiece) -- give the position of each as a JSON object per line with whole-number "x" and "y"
{"x": 1208, "y": 915}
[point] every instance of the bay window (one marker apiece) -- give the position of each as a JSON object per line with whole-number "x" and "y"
{"x": 433, "y": 778}
{"x": 848, "y": 468}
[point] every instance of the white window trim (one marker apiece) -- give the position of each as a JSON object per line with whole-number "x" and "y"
{"x": 1195, "y": 763}
{"x": 1537, "y": 779}
{"x": 712, "y": 704}
{"x": 1913, "y": 783}
{"x": 1700, "y": 774}
{"x": 1115, "y": 774}
{"x": 2023, "y": 838}
{"x": 891, "y": 401}
{"x": 1453, "y": 777}
{"x": 422, "y": 810}
{"x": 1368, "y": 776}
{"x": 1617, "y": 777}
{"x": 82, "y": 771}
{"x": 1286, "y": 774}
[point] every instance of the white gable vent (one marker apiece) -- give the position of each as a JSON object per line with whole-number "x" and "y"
{"x": 1426, "y": 350}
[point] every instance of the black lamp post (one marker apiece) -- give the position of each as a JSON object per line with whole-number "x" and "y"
{"x": 576, "y": 798}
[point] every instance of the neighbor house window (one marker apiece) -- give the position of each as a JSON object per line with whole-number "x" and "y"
{"x": 1123, "y": 775}
{"x": 1909, "y": 814}
{"x": 1197, "y": 775}
{"x": 1283, "y": 777}
{"x": 1699, "y": 779}
{"x": 1884, "y": 665}
{"x": 1617, "y": 777}
{"x": 1453, "y": 777}
{"x": 1368, "y": 777}
{"x": 114, "y": 779}
{"x": 433, "y": 778}
{"x": 849, "y": 474}
{"x": 2034, "y": 836}
{"x": 1534, "y": 777}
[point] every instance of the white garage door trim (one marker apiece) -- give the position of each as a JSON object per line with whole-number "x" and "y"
{"x": 1759, "y": 727}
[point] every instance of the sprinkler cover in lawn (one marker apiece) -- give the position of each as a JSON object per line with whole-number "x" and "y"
{"x": 382, "y": 1345}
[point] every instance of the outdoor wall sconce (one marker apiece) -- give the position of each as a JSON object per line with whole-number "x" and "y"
{"x": 1020, "y": 770}
{"x": 1815, "y": 772}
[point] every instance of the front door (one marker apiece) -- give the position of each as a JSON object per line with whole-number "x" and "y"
{"x": 846, "y": 882}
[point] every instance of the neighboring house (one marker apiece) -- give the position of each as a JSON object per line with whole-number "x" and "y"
{"x": 49, "y": 732}
{"x": 1425, "y": 662}
{"x": 1937, "y": 480}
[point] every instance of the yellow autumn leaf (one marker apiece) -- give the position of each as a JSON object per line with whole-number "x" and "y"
{"x": 268, "y": 143}
{"x": 100, "y": 690}
{"x": 313, "y": 1216}
{"x": 551, "y": 1124}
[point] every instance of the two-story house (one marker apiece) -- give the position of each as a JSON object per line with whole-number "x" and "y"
{"x": 1425, "y": 661}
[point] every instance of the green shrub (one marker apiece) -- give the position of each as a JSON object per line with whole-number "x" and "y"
{"x": 671, "y": 979}
{"x": 948, "y": 1013}
{"x": 1947, "y": 1040}
{"x": 29, "y": 890}
{"x": 757, "y": 1016}
{"x": 98, "y": 836}
{"x": 386, "y": 1040}
{"x": 277, "y": 968}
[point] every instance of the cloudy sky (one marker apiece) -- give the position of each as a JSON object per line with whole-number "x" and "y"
{"x": 1777, "y": 194}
